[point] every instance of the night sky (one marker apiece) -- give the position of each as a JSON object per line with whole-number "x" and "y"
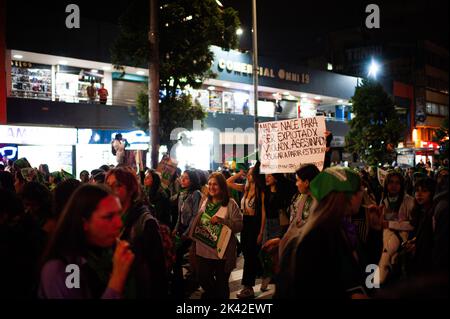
{"x": 296, "y": 29}
{"x": 287, "y": 30}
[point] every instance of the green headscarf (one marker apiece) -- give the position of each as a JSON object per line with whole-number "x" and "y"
{"x": 335, "y": 179}
{"x": 22, "y": 163}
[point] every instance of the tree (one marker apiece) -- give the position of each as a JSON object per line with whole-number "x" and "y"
{"x": 174, "y": 112}
{"x": 441, "y": 137}
{"x": 376, "y": 127}
{"x": 187, "y": 28}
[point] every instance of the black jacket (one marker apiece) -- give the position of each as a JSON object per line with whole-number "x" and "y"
{"x": 142, "y": 231}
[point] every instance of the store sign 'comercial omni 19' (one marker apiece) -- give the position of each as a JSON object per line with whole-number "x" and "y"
{"x": 241, "y": 68}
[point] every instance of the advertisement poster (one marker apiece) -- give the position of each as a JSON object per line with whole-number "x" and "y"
{"x": 285, "y": 145}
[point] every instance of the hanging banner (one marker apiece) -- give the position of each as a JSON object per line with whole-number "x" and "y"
{"x": 285, "y": 145}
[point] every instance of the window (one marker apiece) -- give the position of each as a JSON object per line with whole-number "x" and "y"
{"x": 436, "y": 109}
{"x": 432, "y": 108}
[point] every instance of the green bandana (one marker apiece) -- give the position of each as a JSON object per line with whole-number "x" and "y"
{"x": 334, "y": 179}
{"x": 101, "y": 262}
{"x": 22, "y": 163}
{"x": 212, "y": 208}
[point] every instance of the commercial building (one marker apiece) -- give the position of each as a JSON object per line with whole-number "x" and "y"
{"x": 45, "y": 85}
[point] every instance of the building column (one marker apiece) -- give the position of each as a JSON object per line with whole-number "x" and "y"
{"x": 2, "y": 62}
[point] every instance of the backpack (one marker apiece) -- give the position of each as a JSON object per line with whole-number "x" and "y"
{"x": 113, "y": 150}
{"x": 166, "y": 239}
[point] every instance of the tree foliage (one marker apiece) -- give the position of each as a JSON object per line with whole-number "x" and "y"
{"x": 441, "y": 137}
{"x": 376, "y": 128}
{"x": 187, "y": 28}
{"x": 175, "y": 112}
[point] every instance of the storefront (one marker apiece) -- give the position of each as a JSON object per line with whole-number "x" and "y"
{"x": 31, "y": 80}
{"x": 410, "y": 157}
{"x": 194, "y": 150}
{"x": 94, "y": 148}
{"x": 72, "y": 82}
{"x": 48, "y": 77}
{"x": 40, "y": 145}
{"x": 126, "y": 88}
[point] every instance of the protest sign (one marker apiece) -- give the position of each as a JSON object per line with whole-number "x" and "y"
{"x": 381, "y": 174}
{"x": 285, "y": 145}
{"x": 216, "y": 236}
{"x": 166, "y": 168}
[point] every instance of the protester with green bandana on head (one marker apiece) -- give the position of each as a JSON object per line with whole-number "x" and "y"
{"x": 325, "y": 263}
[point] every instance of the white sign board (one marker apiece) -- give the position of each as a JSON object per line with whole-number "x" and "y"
{"x": 57, "y": 157}
{"x": 35, "y": 135}
{"x": 405, "y": 160}
{"x": 285, "y": 145}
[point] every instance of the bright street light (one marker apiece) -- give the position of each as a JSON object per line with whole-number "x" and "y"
{"x": 374, "y": 67}
{"x": 239, "y": 31}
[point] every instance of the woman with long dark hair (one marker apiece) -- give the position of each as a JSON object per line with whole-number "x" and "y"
{"x": 189, "y": 200}
{"x": 157, "y": 197}
{"x": 148, "y": 276}
{"x": 395, "y": 211}
{"x": 83, "y": 241}
{"x": 421, "y": 242}
{"x": 254, "y": 220}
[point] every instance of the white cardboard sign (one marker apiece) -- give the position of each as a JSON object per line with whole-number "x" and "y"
{"x": 285, "y": 145}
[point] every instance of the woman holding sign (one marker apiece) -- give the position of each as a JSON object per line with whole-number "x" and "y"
{"x": 213, "y": 231}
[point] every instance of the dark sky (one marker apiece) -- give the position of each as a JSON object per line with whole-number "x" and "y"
{"x": 288, "y": 30}
{"x": 296, "y": 28}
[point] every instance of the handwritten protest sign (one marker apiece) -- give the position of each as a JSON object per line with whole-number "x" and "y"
{"x": 166, "y": 168}
{"x": 285, "y": 145}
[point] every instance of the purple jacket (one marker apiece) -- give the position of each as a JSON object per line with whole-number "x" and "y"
{"x": 53, "y": 284}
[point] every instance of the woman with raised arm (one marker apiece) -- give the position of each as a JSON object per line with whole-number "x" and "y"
{"x": 254, "y": 220}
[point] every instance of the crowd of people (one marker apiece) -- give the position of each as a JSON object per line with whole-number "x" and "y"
{"x": 313, "y": 234}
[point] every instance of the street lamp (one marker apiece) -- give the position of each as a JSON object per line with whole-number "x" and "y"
{"x": 239, "y": 31}
{"x": 374, "y": 68}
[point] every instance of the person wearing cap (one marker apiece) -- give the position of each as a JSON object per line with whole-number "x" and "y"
{"x": 325, "y": 263}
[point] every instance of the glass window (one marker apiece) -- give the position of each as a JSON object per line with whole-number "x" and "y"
{"x": 444, "y": 110}
{"x": 434, "y": 109}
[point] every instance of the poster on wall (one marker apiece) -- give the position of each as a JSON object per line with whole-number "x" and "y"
{"x": 285, "y": 145}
